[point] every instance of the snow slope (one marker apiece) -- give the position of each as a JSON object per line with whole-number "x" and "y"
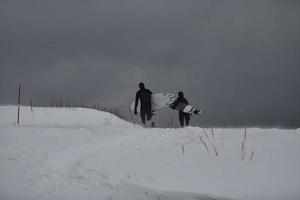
{"x": 60, "y": 153}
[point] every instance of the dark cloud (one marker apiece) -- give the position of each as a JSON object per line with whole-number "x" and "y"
{"x": 237, "y": 59}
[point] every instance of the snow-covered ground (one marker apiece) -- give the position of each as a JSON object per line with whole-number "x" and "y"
{"x": 84, "y": 154}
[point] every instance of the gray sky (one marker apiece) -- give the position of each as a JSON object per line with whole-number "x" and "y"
{"x": 238, "y": 60}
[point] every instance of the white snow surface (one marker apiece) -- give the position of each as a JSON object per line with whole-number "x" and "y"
{"x": 85, "y": 154}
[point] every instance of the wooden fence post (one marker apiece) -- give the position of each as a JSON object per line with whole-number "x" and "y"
{"x": 19, "y": 101}
{"x": 30, "y": 102}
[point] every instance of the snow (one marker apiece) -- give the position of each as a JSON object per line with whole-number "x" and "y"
{"x": 76, "y": 153}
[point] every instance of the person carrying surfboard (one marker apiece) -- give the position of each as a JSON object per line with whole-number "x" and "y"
{"x": 144, "y": 96}
{"x": 182, "y": 115}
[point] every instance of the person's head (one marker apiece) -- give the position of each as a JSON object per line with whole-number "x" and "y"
{"x": 180, "y": 94}
{"x": 141, "y": 85}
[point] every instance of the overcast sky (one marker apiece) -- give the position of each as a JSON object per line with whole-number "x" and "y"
{"x": 238, "y": 60}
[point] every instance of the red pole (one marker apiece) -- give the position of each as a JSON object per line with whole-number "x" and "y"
{"x": 19, "y": 101}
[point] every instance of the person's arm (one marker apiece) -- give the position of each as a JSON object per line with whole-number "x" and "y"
{"x": 187, "y": 102}
{"x": 137, "y": 97}
{"x": 174, "y": 104}
{"x": 151, "y": 95}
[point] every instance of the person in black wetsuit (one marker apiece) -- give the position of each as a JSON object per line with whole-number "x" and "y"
{"x": 144, "y": 96}
{"x": 182, "y": 116}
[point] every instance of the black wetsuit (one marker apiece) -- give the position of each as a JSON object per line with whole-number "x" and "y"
{"x": 182, "y": 116}
{"x": 144, "y": 95}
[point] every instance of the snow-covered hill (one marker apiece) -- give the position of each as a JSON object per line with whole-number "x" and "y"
{"x": 84, "y": 154}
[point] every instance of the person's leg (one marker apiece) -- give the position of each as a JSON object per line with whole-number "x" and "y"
{"x": 187, "y": 118}
{"x": 149, "y": 113}
{"x": 181, "y": 118}
{"x": 149, "y": 116}
{"x": 143, "y": 116}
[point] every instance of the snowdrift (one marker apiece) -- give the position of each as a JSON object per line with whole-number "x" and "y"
{"x": 62, "y": 153}
{"x": 65, "y": 117}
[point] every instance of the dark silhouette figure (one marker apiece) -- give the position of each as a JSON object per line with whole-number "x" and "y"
{"x": 144, "y": 96}
{"x": 182, "y": 116}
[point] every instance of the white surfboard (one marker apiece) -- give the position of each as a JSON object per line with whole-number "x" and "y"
{"x": 187, "y": 109}
{"x": 158, "y": 101}
{"x": 192, "y": 110}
